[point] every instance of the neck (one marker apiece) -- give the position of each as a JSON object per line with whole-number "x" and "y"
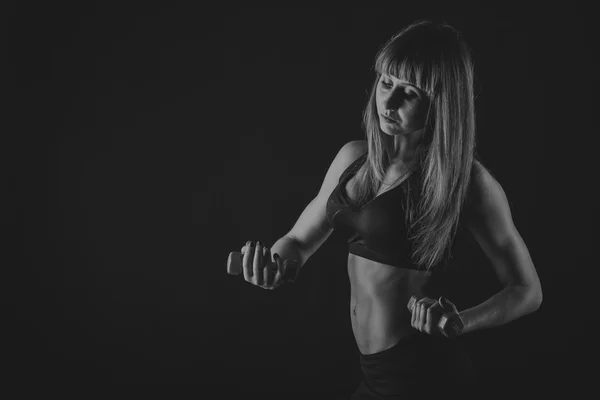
{"x": 406, "y": 148}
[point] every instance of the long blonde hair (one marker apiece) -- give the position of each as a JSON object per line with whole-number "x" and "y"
{"x": 436, "y": 59}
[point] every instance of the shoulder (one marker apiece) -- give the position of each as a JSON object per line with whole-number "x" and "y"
{"x": 486, "y": 195}
{"x": 353, "y": 149}
{"x": 349, "y": 153}
{"x": 491, "y": 221}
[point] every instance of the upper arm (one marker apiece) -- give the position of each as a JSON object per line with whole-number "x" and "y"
{"x": 312, "y": 227}
{"x": 491, "y": 224}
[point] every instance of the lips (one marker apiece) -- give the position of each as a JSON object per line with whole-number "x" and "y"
{"x": 390, "y": 120}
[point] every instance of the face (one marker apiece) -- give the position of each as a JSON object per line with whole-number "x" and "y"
{"x": 401, "y": 107}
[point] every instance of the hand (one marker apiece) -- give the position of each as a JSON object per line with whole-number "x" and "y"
{"x": 426, "y": 314}
{"x": 260, "y": 269}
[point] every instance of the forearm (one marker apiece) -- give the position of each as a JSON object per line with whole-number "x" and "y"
{"x": 288, "y": 249}
{"x": 510, "y": 303}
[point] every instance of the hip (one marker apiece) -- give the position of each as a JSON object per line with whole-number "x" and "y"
{"x": 418, "y": 362}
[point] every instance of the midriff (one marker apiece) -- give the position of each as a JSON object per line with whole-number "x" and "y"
{"x": 379, "y": 294}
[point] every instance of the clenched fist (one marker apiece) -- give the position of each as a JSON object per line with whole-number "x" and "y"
{"x": 432, "y": 316}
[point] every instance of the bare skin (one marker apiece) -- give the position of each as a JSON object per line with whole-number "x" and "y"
{"x": 378, "y": 297}
{"x": 379, "y": 294}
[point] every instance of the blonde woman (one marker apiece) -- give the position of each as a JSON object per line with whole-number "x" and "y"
{"x": 399, "y": 196}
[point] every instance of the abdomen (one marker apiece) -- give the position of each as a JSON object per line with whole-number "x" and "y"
{"x": 378, "y": 297}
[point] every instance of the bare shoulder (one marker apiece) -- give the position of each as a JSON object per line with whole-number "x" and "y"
{"x": 485, "y": 192}
{"x": 352, "y": 150}
{"x": 347, "y": 154}
{"x": 493, "y": 228}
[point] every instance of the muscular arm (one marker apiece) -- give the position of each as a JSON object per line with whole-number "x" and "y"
{"x": 492, "y": 226}
{"x": 512, "y": 302}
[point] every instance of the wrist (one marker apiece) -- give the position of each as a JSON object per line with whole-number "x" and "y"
{"x": 288, "y": 249}
{"x": 451, "y": 324}
{"x": 291, "y": 271}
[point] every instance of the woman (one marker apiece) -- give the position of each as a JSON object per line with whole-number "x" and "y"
{"x": 399, "y": 195}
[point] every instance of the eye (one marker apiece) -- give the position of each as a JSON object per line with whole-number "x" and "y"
{"x": 411, "y": 94}
{"x": 385, "y": 84}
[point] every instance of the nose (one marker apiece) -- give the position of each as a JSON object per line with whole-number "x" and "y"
{"x": 394, "y": 100}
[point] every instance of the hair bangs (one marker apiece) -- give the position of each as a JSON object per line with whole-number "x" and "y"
{"x": 414, "y": 67}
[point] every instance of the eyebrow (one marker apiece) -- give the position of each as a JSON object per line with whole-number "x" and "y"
{"x": 400, "y": 80}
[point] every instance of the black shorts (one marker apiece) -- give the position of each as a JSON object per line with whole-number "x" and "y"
{"x": 419, "y": 365}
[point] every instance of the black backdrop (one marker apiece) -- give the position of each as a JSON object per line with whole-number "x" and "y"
{"x": 148, "y": 142}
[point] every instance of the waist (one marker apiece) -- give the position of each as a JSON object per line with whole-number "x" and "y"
{"x": 379, "y": 295}
{"x": 413, "y": 343}
{"x": 378, "y": 324}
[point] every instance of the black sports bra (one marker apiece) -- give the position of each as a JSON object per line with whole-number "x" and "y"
{"x": 377, "y": 230}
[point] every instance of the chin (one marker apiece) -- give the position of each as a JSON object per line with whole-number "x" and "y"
{"x": 389, "y": 131}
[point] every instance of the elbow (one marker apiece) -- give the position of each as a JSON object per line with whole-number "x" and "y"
{"x": 530, "y": 297}
{"x": 538, "y": 296}
{"x": 535, "y": 297}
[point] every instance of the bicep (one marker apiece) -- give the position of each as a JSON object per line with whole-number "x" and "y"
{"x": 312, "y": 228}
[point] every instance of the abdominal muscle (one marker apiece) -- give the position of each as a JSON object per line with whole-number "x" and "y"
{"x": 378, "y": 297}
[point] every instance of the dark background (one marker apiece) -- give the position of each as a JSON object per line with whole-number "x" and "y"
{"x": 145, "y": 143}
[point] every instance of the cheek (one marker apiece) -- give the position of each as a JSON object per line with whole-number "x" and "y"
{"x": 378, "y": 103}
{"x": 416, "y": 115}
